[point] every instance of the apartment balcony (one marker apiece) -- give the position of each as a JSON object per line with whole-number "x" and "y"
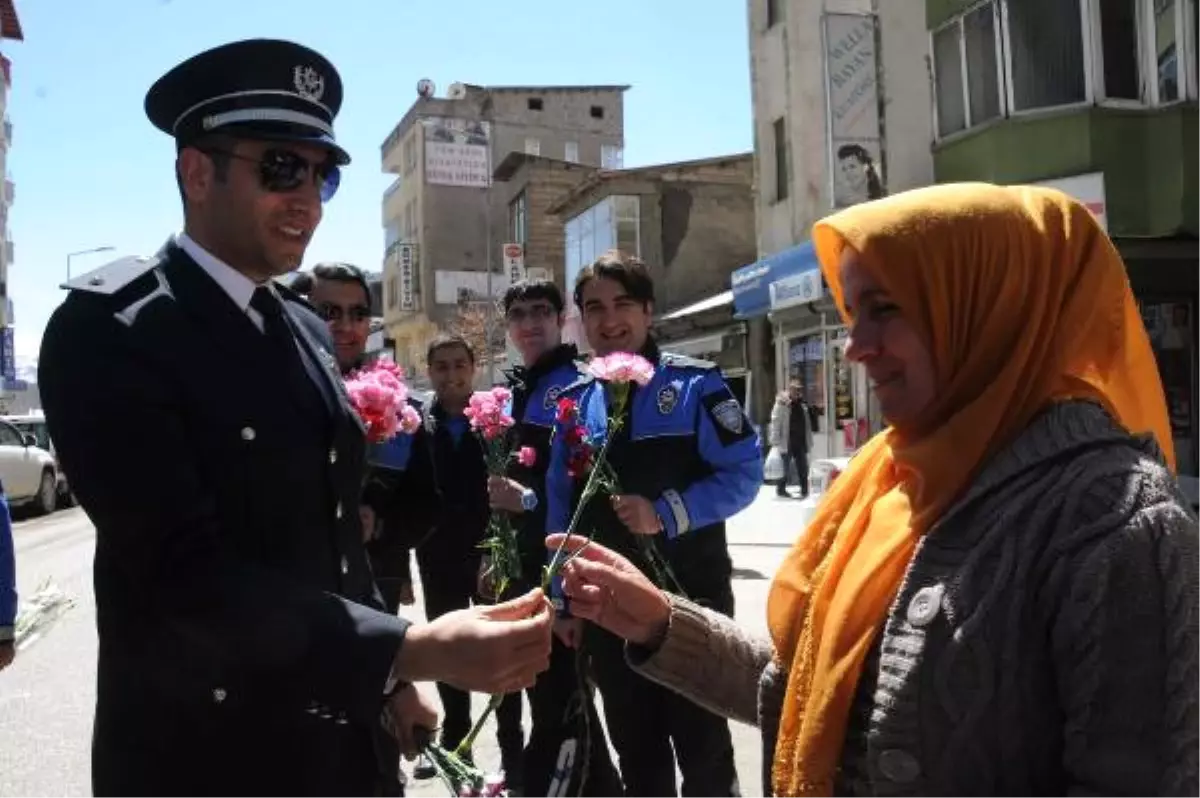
{"x": 8, "y": 133}
{"x": 9, "y": 192}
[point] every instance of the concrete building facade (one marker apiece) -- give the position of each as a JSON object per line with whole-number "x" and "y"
{"x": 445, "y": 224}
{"x": 692, "y": 223}
{"x": 842, "y": 99}
{"x": 10, "y": 30}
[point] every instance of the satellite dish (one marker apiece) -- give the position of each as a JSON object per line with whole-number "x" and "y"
{"x": 456, "y": 91}
{"x": 425, "y": 88}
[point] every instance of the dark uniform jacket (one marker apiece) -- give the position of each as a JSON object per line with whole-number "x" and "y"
{"x": 241, "y": 649}
{"x": 461, "y": 474}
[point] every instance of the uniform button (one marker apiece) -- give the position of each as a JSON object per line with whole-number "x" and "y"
{"x": 248, "y": 433}
{"x": 925, "y": 605}
{"x": 312, "y": 708}
{"x": 219, "y": 694}
{"x": 341, "y": 719}
{"x": 332, "y": 456}
{"x": 345, "y": 565}
{"x": 898, "y": 766}
{"x": 337, "y": 511}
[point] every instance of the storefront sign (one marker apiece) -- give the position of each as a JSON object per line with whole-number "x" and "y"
{"x": 797, "y": 289}
{"x": 751, "y": 284}
{"x": 1088, "y": 189}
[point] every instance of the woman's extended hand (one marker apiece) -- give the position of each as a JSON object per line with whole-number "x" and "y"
{"x": 608, "y": 590}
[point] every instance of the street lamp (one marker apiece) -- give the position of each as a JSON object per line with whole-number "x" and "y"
{"x": 84, "y": 252}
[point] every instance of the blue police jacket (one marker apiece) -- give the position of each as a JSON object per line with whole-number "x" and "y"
{"x": 687, "y": 446}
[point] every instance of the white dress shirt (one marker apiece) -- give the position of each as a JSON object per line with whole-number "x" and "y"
{"x": 238, "y": 286}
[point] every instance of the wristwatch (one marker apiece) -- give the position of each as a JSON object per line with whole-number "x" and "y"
{"x": 529, "y": 500}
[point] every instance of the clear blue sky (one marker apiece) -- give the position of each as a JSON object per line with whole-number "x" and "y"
{"x": 91, "y": 171}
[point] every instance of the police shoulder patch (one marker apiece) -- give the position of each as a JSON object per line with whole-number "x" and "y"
{"x": 727, "y": 416}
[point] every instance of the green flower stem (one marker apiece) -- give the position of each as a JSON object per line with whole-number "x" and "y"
{"x": 469, "y": 740}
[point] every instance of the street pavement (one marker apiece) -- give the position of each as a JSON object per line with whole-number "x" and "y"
{"x": 47, "y": 695}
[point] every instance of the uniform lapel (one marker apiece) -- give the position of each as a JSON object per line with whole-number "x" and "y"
{"x": 322, "y": 368}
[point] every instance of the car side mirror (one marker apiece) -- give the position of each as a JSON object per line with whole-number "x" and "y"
{"x": 29, "y": 440}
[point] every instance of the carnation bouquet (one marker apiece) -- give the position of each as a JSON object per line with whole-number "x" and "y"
{"x": 617, "y": 372}
{"x": 490, "y": 421}
{"x": 380, "y": 398}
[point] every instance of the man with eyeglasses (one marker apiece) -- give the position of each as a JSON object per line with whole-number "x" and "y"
{"x": 196, "y": 407}
{"x": 400, "y": 501}
{"x": 567, "y": 753}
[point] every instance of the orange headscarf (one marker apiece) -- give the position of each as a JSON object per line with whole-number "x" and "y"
{"x": 1022, "y": 300}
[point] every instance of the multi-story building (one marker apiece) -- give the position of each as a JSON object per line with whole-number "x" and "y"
{"x": 445, "y": 225}
{"x": 841, "y": 114}
{"x": 10, "y": 30}
{"x": 692, "y": 223}
{"x": 1097, "y": 98}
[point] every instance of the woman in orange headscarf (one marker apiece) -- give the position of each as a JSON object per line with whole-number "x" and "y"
{"x": 999, "y": 595}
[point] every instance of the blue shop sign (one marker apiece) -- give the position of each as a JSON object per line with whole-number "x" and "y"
{"x": 752, "y": 284}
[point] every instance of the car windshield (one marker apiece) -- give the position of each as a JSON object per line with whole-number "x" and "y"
{"x": 35, "y": 428}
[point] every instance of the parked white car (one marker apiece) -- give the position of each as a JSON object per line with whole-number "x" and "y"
{"x": 29, "y": 472}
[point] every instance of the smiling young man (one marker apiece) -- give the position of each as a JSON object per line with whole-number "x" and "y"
{"x": 687, "y": 459}
{"x": 195, "y": 405}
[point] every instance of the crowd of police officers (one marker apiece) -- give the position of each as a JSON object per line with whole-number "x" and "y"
{"x": 252, "y": 555}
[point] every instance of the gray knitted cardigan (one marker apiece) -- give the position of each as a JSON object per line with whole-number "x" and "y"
{"x": 1043, "y": 641}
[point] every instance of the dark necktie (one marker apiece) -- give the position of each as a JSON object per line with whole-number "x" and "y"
{"x": 274, "y": 326}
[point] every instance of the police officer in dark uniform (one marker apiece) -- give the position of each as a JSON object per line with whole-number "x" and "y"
{"x": 567, "y": 753}
{"x": 204, "y": 426}
{"x": 400, "y": 502}
{"x": 687, "y": 459}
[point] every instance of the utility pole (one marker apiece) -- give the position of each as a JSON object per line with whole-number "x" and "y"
{"x": 489, "y": 118}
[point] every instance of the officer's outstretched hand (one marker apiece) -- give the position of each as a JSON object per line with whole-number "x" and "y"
{"x": 608, "y": 590}
{"x": 496, "y": 649}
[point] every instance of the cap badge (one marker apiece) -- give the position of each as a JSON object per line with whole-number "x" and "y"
{"x": 309, "y": 83}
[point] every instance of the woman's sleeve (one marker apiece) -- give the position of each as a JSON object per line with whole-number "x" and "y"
{"x": 1125, "y": 646}
{"x": 708, "y": 659}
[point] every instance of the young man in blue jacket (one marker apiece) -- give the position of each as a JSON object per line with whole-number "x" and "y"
{"x": 565, "y": 733}
{"x": 687, "y": 459}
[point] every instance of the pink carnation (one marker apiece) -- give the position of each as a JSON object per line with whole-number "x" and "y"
{"x": 410, "y": 419}
{"x": 485, "y": 411}
{"x": 621, "y": 368}
{"x": 380, "y": 398}
{"x": 527, "y": 456}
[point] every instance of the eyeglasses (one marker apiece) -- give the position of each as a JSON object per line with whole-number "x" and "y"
{"x": 281, "y": 171}
{"x": 334, "y": 313}
{"x": 535, "y": 312}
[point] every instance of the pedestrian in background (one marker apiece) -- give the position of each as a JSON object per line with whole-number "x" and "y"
{"x": 791, "y": 434}
{"x": 8, "y": 586}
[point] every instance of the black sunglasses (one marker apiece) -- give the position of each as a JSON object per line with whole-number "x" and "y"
{"x": 516, "y": 315}
{"x": 281, "y": 171}
{"x": 332, "y": 312}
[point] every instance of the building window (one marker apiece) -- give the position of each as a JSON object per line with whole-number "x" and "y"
{"x": 612, "y": 223}
{"x": 597, "y": 112}
{"x": 612, "y": 156}
{"x": 571, "y": 151}
{"x": 533, "y": 147}
{"x": 774, "y": 12}
{"x": 518, "y": 219}
{"x": 1045, "y": 53}
{"x": 1119, "y": 42}
{"x": 534, "y": 103}
{"x": 1166, "y": 50}
{"x": 779, "y": 136}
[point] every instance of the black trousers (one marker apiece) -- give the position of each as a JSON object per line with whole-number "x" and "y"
{"x": 450, "y": 586}
{"x": 800, "y": 458}
{"x": 652, "y": 727}
{"x": 565, "y": 730}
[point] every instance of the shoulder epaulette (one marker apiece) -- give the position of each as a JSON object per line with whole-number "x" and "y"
{"x": 685, "y": 362}
{"x": 112, "y": 277}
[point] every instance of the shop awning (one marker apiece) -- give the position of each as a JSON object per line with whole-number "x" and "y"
{"x": 751, "y": 285}
{"x": 711, "y": 303}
